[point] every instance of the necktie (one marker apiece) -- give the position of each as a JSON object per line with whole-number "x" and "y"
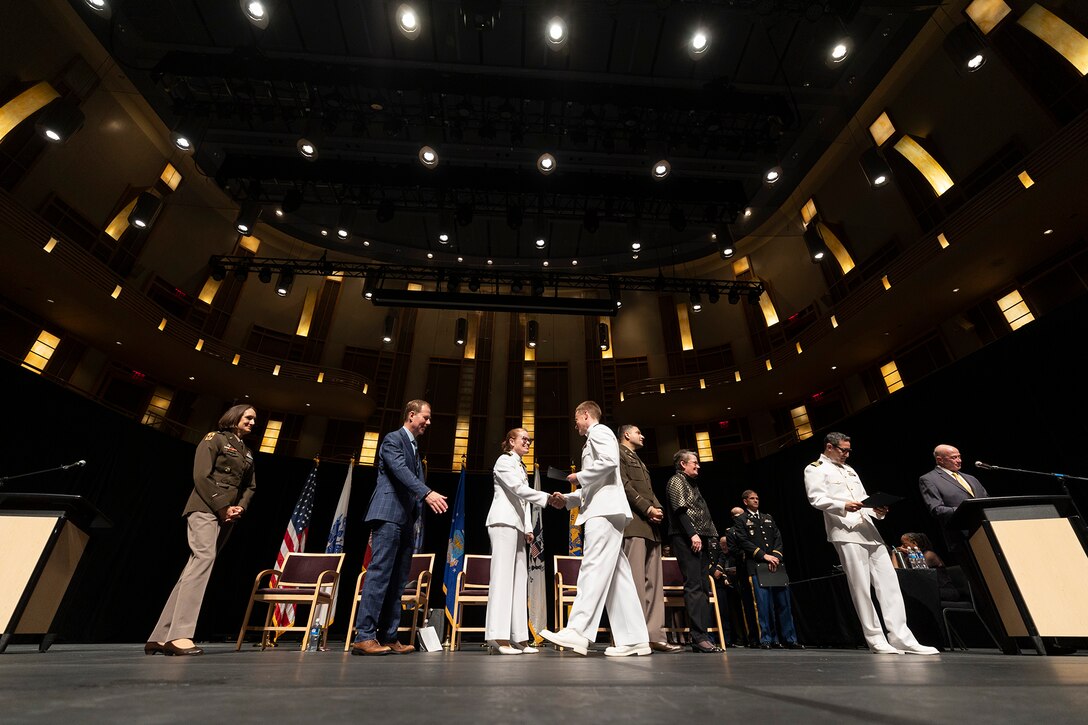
{"x": 415, "y": 454}
{"x": 960, "y": 480}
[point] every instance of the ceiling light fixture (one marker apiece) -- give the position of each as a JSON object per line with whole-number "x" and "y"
{"x": 699, "y": 44}
{"x": 840, "y": 50}
{"x": 256, "y": 12}
{"x": 283, "y": 284}
{"x": 59, "y": 120}
{"x": 408, "y": 21}
{"x": 101, "y": 7}
{"x": 661, "y": 169}
{"x": 772, "y": 175}
{"x": 875, "y": 167}
{"x": 545, "y": 164}
{"x": 144, "y": 211}
{"x": 428, "y": 157}
{"x": 247, "y": 217}
{"x": 556, "y": 33}
{"x": 540, "y": 242}
{"x": 967, "y": 48}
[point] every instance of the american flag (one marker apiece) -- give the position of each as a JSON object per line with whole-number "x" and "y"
{"x": 294, "y": 539}
{"x": 538, "y": 606}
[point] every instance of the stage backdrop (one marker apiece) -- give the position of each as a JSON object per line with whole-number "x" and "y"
{"x": 1015, "y": 403}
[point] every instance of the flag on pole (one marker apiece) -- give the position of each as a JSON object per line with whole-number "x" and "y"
{"x": 294, "y": 540}
{"x": 335, "y": 543}
{"x": 538, "y": 606}
{"x": 574, "y": 542}
{"x": 455, "y": 552}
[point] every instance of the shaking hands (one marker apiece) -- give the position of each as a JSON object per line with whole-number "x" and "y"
{"x": 557, "y": 500}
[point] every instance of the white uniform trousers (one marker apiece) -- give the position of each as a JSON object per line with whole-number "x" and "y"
{"x": 508, "y": 593}
{"x": 605, "y": 582}
{"x": 870, "y": 565}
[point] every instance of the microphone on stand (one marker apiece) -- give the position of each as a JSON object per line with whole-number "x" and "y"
{"x": 983, "y": 466}
{"x": 77, "y": 464}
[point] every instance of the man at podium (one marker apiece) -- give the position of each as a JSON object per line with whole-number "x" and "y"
{"x": 944, "y": 489}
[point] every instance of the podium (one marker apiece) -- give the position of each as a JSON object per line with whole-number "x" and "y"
{"x": 1032, "y": 554}
{"x": 42, "y": 538}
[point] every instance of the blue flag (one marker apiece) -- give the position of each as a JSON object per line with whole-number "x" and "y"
{"x": 455, "y": 552}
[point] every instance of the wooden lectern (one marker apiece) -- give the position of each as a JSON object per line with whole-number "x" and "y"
{"x": 42, "y": 537}
{"x": 1032, "y": 554}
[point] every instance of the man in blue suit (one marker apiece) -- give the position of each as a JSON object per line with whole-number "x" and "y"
{"x": 395, "y": 506}
{"x": 944, "y": 489}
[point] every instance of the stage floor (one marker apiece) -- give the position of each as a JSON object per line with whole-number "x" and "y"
{"x": 118, "y": 683}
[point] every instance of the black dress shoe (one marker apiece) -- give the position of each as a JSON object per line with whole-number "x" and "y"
{"x": 794, "y": 645}
{"x": 753, "y": 645}
{"x": 776, "y": 645}
{"x": 765, "y": 645}
{"x": 152, "y": 648}
{"x": 706, "y": 647}
{"x": 172, "y": 650}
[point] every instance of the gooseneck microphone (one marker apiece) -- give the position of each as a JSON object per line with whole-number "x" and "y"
{"x": 77, "y": 464}
{"x": 984, "y": 466}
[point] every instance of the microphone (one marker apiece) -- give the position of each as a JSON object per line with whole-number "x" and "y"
{"x": 984, "y": 466}
{"x": 77, "y": 464}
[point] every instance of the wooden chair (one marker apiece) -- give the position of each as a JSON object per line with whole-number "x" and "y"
{"x": 473, "y": 584}
{"x": 672, "y": 580}
{"x": 566, "y": 588}
{"x": 414, "y": 599}
{"x": 306, "y": 579}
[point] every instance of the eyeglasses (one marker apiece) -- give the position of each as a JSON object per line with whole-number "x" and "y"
{"x": 844, "y": 451}
{"x": 527, "y": 439}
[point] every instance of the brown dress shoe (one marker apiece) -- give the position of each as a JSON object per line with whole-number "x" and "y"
{"x": 369, "y": 647}
{"x": 152, "y": 648}
{"x": 172, "y": 650}
{"x": 665, "y": 647}
{"x": 400, "y": 649}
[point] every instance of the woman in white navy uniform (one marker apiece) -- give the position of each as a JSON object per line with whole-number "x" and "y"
{"x": 509, "y": 525}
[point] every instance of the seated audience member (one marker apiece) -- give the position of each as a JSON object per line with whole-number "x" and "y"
{"x": 924, "y": 545}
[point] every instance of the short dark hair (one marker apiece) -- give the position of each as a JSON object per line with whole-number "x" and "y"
{"x": 921, "y": 541}
{"x": 748, "y": 492}
{"x": 681, "y": 455}
{"x": 414, "y": 406}
{"x": 625, "y": 429}
{"x": 230, "y": 420}
{"x": 834, "y": 439}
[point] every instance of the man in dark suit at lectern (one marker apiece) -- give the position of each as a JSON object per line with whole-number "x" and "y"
{"x": 944, "y": 489}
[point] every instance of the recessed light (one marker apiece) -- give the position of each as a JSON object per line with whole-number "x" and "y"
{"x": 1048, "y": 231}
{"x": 545, "y": 263}
{"x": 430, "y": 256}
{"x": 307, "y": 405}
{"x": 324, "y": 232}
{"x": 49, "y": 301}
{"x": 118, "y": 342}
{"x": 366, "y": 242}
{"x": 574, "y": 263}
{"x": 192, "y": 377}
{"x": 779, "y": 392}
{"x": 747, "y": 212}
{"x": 834, "y": 367}
{"x": 955, "y": 289}
{"x": 460, "y": 259}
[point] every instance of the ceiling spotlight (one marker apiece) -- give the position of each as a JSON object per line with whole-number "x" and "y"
{"x": 723, "y": 237}
{"x": 265, "y": 275}
{"x": 183, "y": 137}
{"x": 531, "y": 329}
{"x": 370, "y": 283}
{"x": 408, "y": 21}
{"x": 875, "y": 167}
{"x": 556, "y": 33}
{"x": 696, "y": 301}
{"x": 546, "y": 163}
{"x": 428, "y": 157}
{"x": 460, "y": 331}
{"x": 256, "y": 12}
{"x": 734, "y": 296}
{"x": 840, "y": 50}
{"x": 636, "y": 246}
{"x": 144, "y": 211}
{"x": 59, "y": 120}
{"x": 387, "y": 334}
{"x": 309, "y": 143}
{"x": 602, "y": 336}
{"x": 346, "y": 221}
{"x": 699, "y": 43}
{"x": 814, "y": 242}
{"x": 772, "y": 175}
{"x": 247, "y": 217}
{"x": 283, "y": 284}
{"x": 101, "y": 7}
{"x": 747, "y": 212}
{"x": 966, "y": 47}
{"x": 292, "y": 201}
{"x": 661, "y": 169}
{"x": 443, "y": 238}
{"x": 540, "y": 242}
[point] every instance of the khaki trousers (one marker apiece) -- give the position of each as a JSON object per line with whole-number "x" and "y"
{"x": 645, "y": 559}
{"x": 207, "y": 535}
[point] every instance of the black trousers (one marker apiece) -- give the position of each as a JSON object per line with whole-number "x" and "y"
{"x": 694, "y": 567}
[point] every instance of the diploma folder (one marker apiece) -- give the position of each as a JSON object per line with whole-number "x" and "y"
{"x": 768, "y": 578}
{"x": 879, "y": 499}
{"x": 557, "y": 474}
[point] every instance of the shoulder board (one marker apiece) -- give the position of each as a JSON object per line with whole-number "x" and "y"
{"x": 817, "y": 463}
{"x": 209, "y": 436}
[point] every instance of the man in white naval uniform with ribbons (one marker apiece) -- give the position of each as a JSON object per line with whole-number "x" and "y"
{"x": 835, "y": 488}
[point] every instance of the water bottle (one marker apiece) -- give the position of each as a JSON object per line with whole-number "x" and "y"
{"x": 917, "y": 559}
{"x": 315, "y": 637}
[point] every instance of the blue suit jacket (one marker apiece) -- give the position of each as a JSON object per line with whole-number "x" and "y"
{"x": 400, "y": 488}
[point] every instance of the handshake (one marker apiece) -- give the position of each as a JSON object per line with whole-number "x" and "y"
{"x": 557, "y": 500}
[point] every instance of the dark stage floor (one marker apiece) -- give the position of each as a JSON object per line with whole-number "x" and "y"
{"x": 118, "y": 683}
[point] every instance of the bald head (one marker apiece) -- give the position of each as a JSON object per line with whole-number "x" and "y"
{"x": 736, "y": 511}
{"x": 947, "y": 457}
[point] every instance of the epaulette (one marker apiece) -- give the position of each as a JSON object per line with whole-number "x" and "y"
{"x": 817, "y": 463}
{"x": 209, "y": 436}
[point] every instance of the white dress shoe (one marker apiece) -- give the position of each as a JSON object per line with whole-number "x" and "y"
{"x": 526, "y": 648}
{"x": 884, "y": 649}
{"x": 627, "y": 650}
{"x": 568, "y": 639}
{"x": 921, "y": 649}
{"x": 494, "y": 648}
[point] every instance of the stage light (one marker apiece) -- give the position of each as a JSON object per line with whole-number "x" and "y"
{"x": 218, "y": 271}
{"x": 602, "y": 336}
{"x": 428, "y": 157}
{"x": 772, "y": 175}
{"x": 143, "y": 213}
{"x": 734, "y": 296}
{"x": 241, "y": 271}
{"x": 699, "y": 44}
{"x": 101, "y": 7}
{"x": 480, "y": 14}
{"x": 443, "y": 238}
{"x": 538, "y": 287}
{"x": 723, "y": 237}
{"x": 545, "y": 164}
{"x": 474, "y": 283}
{"x": 875, "y": 167}
{"x": 346, "y": 221}
{"x": 408, "y": 21}
{"x": 516, "y": 286}
{"x": 840, "y": 50}
{"x": 369, "y": 285}
{"x": 754, "y": 295}
{"x": 283, "y": 284}
{"x": 696, "y": 301}
{"x": 265, "y": 275}
{"x": 636, "y": 246}
{"x": 661, "y": 169}
{"x": 712, "y": 294}
{"x": 967, "y": 49}
{"x": 814, "y": 243}
{"x": 308, "y": 144}
{"x": 531, "y": 331}
{"x": 183, "y": 137}
{"x": 460, "y": 331}
{"x": 59, "y": 120}
{"x": 256, "y": 12}
{"x": 292, "y": 201}
{"x": 540, "y": 242}
{"x": 556, "y": 33}
{"x": 387, "y": 334}
{"x": 247, "y": 217}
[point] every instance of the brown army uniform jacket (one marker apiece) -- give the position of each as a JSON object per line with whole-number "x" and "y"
{"x": 640, "y": 494}
{"x": 222, "y": 474}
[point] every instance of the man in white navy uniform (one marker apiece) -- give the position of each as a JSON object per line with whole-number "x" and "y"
{"x": 835, "y": 488}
